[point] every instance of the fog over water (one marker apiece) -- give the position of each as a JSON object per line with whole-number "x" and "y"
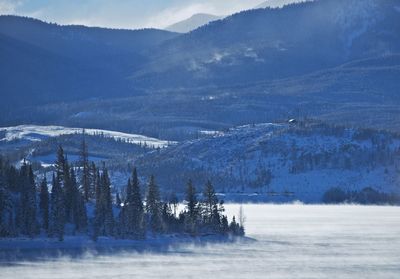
{"x": 293, "y": 241}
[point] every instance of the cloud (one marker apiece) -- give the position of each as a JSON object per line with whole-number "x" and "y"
{"x": 124, "y": 13}
{"x": 172, "y": 15}
{"x": 181, "y": 12}
{"x": 8, "y": 7}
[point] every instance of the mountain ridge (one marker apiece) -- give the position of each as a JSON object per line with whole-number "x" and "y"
{"x": 192, "y": 23}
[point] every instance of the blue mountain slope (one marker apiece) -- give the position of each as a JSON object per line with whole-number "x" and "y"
{"x": 335, "y": 59}
{"x": 267, "y": 44}
{"x": 44, "y": 63}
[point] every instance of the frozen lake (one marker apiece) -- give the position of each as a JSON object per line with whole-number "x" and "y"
{"x": 293, "y": 241}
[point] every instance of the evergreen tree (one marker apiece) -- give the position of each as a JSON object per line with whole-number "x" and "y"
{"x": 173, "y": 202}
{"x": 133, "y": 211}
{"x": 104, "y": 218}
{"x": 57, "y": 205}
{"x": 209, "y": 202}
{"x": 69, "y": 188}
{"x": 84, "y": 164}
{"x": 60, "y": 163}
{"x": 153, "y": 207}
{"x": 109, "y": 216}
{"x": 92, "y": 180}
{"x": 6, "y": 206}
{"x": 167, "y": 217}
{"x": 235, "y": 228}
{"x": 44, "y": 204}
{"x": 212, "y": 208}
{"x": 27, "y": 215}
{"x": 224, "y": 225}
{"x": 192, "y": 209}
{"x": 78, "y": 209}
{"x": 81, "y": 219}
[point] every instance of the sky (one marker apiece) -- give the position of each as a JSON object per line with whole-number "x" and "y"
{"x": 130, "y": 14}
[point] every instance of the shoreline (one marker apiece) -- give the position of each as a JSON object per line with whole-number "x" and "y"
{"x": 23, "y": 248}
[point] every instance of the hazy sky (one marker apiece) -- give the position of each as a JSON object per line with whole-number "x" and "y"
{"x": 123, "y": 13}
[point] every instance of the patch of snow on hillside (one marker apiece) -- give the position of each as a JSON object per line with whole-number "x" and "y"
{"x": 38, "y": 133}
{"x": 284, "y": 160}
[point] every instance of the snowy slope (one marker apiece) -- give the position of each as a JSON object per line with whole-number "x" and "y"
{"x": 34, "y": 133}
{"x": 301, "y": 162}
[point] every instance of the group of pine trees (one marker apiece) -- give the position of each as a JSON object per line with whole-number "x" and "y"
{"x": 86, "y": 205}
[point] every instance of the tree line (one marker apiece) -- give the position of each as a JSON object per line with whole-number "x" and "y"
{"x": 79, "y": 200}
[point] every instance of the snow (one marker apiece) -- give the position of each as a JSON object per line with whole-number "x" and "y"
{"x": 37, "y": 133}
{"x": 49, "y": 159}
{"x": 238, "y": 161}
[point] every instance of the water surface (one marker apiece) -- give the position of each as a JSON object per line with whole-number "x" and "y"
{"x": 293, "y": 241}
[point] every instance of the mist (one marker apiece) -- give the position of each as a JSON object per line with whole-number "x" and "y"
{"x": 296, "y": 241}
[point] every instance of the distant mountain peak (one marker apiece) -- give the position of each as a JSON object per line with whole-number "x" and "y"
{"x": 277, "y": 3}
{"x": 192, "y": 23}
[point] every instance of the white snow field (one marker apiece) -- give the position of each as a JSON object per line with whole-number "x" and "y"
{"x": 38, "y": 133}
{"x": 293, "y": 241}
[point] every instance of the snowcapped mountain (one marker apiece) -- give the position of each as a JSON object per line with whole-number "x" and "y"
{"x": 300, "y": 161}
{"x": 194, "y": 22}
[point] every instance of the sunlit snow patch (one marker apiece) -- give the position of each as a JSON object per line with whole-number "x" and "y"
{"x": 38, "y": 133}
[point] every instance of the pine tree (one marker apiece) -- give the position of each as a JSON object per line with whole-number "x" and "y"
{"x": 167, "y": 217}
{"x": 173, "y": 201}
{"x": 84, "y": 164}
{"x": 69, "y": 188}
{"x": 5, "y": 207}
{"x": 27, "y": 215}
{"x": 109, "y": 216}
{"x": 209, "y": 202}
{"x": 57, "y": 216}
{"x": 133, "y": 211}
{"x": 60, "y": 163}
{"x": 78, "y": 209}
{"x": 44, "y": 204}
{"x": 92, "y": 180}
{"x": 212, "y": 208}
{"x": 8, "y": 204}
{"x": 153, "y": 207}
{"x": 81, "y": 220}
{"x": 224, "y": 225}
{"x": 191, "y": 208}
{"x": 235, "y": 228}
{"x": 104, "y": 218}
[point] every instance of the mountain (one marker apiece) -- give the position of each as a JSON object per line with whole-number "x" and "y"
{"x": 268, "y": 44}
{"x": 281, "y": 161}
{"x": 44, "y": 62}
{"x": 335, "y": 60}
{"x": 363, "y": 93}
{"x": 194, "y": 22}
{"x": 277, "y": 3}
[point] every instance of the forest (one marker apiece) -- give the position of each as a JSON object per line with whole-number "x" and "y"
{"x": 80, "y": 200}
